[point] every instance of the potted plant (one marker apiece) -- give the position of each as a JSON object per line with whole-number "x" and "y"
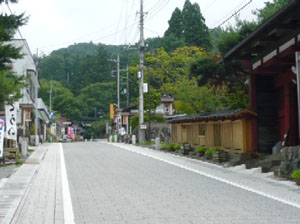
{"x": 200, "y": 151}
{"x": 296, "y": 176}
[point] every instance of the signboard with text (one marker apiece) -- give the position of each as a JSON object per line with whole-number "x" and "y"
{"x": 2, "y": 128}
{"x": 11, "y": 124}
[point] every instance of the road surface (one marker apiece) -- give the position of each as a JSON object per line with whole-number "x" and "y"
{"x": 109, "y": 184}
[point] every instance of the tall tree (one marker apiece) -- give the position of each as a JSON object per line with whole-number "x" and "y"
{"x": 196, "y": 33}
{"x": 175, "y": 24}
{"x": 10, "y": 84}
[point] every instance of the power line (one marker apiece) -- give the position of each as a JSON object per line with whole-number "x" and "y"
{"x": 157, "y": 11}
{"x": 12, "y": 14}
{"x": 119, "y": 19}
{"x": 234, "y": 14}
{"x": 209, "y": 6}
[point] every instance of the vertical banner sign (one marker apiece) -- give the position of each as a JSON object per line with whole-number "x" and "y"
{"x": 112, "y": 111}
{"x": 11, "y": 121}
{"x": 2, "y": 128}
{"x": 69, "y": 132}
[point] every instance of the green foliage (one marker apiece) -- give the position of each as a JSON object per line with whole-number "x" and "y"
{"x": 195, "y": 31}
{"x": 63, "y": 99}
{"x": 270, "y": 9}
{"x": 171, "y": 147}
{"x": 209, "y": 152}
{"x": 98, "y": 128}
{"x": 10, "y": 84}
{"x": 97, "y": 95}
{"x": 134, "y": 121}
{"x": 296, "y": 174}
{"x": 186, "y": 28}
{"x": 163, "y": 145}
{"x": 201, "y": 149}
{"x": 232, "y": 35}
{"x": 20, "y": 162}
{"x": 176, "y": 146}
{"x": 192, "y": 99}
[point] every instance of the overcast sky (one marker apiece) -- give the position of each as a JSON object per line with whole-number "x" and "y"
{"x": 55, "y": 24}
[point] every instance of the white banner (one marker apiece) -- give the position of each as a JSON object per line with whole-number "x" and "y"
{"x": 11, "y": 121}
{"x": 2, "y": 128}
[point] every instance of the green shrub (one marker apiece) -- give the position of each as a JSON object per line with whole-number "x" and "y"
{"x": 163, "y": 145}
{"x": 19, "y": 162}
{"x": 296, "y": 174}
{"x": 209, "y": 152}
{"x": 19, "y": 155}
{"x": 176, "y": 146}
{"x": 202, "y": 149}
{"x": 11, "y": 155}
{"x": 171, "y": 146}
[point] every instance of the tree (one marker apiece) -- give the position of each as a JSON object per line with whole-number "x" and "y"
{"x": 175, "y": 24}
{"x": 63, "y": 99}
{"x": 192, "y": 99}
{"x": 270, "y": 9}
{"x": 232, "y": 35}
{"x": 10, "y": 84}
{"x": 196, "y": 33}
{"x": 97, "y": 95}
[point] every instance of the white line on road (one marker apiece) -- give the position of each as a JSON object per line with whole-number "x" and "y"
{"x": 216, "y": 178}
{"x": 67, "y": 201}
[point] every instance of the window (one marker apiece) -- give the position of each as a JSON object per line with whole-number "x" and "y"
{"x": 202, "y": 129}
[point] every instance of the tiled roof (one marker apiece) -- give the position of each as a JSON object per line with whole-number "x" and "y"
{"x": 214, "y": 116}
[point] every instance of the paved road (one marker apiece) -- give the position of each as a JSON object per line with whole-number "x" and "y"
{"x": 109, "y": 184}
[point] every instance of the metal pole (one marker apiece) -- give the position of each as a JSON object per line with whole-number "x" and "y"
{"x": 149, "y": 107}
{"x": 50, "y": 100}
{"x": 118, "y": 80}
{"x": 36, "y": 121}
{"x": 298, "y": 87}
{"x": 141, "y": 100}
{"x": 127, "y": 92}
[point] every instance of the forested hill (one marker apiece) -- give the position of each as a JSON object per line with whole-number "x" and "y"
{"x": 84, "y": 85}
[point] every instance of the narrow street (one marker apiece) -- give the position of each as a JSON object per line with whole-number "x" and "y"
{"x": 119, "y": 183}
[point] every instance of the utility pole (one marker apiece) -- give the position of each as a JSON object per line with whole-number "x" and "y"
{"x": 50, "y": 100}
{"x": 36, "y": 121}
{"x": 149, "y": 107}
{"x": 141, "y": 100}
{"x": 127, "y": 86}
{"x": 118, "y": 79}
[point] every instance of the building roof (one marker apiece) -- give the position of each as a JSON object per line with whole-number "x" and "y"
{"x": 214, "y": 116}
{"x": 276, "y": 31}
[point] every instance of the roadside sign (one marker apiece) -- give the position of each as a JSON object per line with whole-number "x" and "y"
{"x": 143, "y": 127}
{"x": 2, "y": 127}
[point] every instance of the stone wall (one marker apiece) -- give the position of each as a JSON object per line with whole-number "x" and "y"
{"x": 290, "y": 161}
{"x": 162, "y": 130}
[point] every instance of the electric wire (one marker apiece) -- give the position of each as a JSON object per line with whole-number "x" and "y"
{"x": 157, "y": 11}
{"x": 240, "y": 8}
{"x": 119, "y": 19}
{"x": 12, "y": 14}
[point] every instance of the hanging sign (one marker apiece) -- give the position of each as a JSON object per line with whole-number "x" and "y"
{"x": 11, "y": 124}
{"x": 2, "y": 128}
{"x": 69, "y": 132}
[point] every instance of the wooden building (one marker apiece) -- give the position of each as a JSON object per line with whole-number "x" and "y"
{"x": 229, "y": 129}
{"x": 270, "y": 54}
